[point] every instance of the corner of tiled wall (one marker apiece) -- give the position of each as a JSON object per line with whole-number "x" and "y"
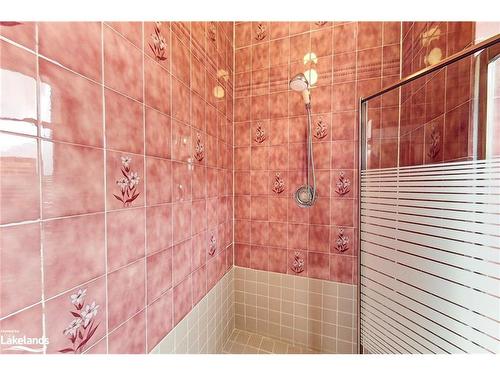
{"x": 116, "y": 178}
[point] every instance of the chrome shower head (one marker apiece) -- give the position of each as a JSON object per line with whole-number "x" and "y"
{"x": 299, "y": 83}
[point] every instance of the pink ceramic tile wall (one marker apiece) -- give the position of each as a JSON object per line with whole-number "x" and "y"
{"x": 352, "y": 59}
{"x": 435, "y": 110}
{"x": 116, "y": 178}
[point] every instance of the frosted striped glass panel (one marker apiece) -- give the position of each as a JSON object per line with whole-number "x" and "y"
{"x": 430, "y": 258}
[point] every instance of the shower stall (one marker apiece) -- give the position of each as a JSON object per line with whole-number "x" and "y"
{"x": 429, "y": 194}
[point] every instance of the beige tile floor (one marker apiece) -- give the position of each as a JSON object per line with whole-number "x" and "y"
{"x": 243, "y": 342}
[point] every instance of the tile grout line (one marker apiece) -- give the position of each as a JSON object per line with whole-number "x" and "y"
{"x": 146, "y": 307}
{"x": 103, "y": 114}
{"x": 40, "y": 173}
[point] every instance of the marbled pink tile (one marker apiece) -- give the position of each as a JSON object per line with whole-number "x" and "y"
{"x": 200, "y": 247}
{"x": 182, "y": 221}
{"x": 157, "y": 86}
{"x": 181, "y": 261}
{"x": 70, "y": 105}
{"x": 318, "y": 265}
{"x": 20, "y": 276}
{"x": 124, "y": 123}
{"x": 319, "y": 236}
{"x": 18, "y": 103}
{"x": 180, "y": 101}
{"x": 159, "y": 274}
{"x": 125, "y": 237}
{"x": 27, "y": 323}
{"x": 297, "y": 236}
{"x": 130, "y": 30}
{"x": 126, "y": 292}
{"x": 80, "y": 238}
{"x": 158, "y": 228}
{"x": 160, "y": 322}
{"x": 278, "y": 209}
{"x": 20, "y": 32}
{"x": 180, "y": 61}
{"x": 259, "y": 232}
{"x": 212, "y": 182}
{"x": 58, "y": 316}
{"x": 278, "y": 235}
{"x": 320, "y": 212}
{"x": 130, "y": 338}
{"x": 72, "y": 179}
{"x": 183, "y": 300}
{"x": 199, "y": 284}
{"x": 342, "y": 212}
{"x": 277, "y": 260}
{"x": 259, "y": 257}
{"x": 242, "y": 229}
{"x": 259, "y": 207}
{"x": 54, "y": 39}
{"x": 199, "y": 181}
{"x": 181, "y": 142}
{"x": 124, "y": 192}
{"x": 182, "y": 176}
{"x": 100, "y": 347}
{"x": 242, "y": 255}
{"x": 122, "y": 59}
{"x": 159, "y": 180}
{"x": 341, "y": 268}
{"x": 19, "y": 179}
{"x": 158, "y": 134}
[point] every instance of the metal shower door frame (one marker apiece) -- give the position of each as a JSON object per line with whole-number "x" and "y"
{"x": 362, "y": 108}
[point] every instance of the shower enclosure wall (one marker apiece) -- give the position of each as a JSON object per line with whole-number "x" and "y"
{"x": 147, "y": 179}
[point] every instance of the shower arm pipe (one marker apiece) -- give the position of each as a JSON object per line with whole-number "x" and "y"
{"x": 443, "y": 63}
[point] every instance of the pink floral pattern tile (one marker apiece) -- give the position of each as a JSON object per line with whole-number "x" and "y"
{"x": 80, "y": 310}
{"x": 124, "y": 180}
